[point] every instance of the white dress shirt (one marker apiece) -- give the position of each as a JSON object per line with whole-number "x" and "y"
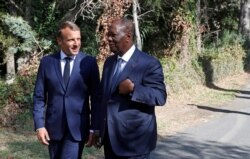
{"x": 63, "y": 61}
{"x": 127, "y": 56}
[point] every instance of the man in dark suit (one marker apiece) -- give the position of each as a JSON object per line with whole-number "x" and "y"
{"x": 132, "y": 85}
{"x": 65, "y": 83}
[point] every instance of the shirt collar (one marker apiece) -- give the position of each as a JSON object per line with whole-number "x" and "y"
{"x": 128, "y": 54}
{"x": 63, "y": 55}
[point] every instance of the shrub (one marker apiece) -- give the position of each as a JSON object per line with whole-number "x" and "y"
{"x": 16, "y": 98}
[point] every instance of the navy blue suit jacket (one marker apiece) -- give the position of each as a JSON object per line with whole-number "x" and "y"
{"x": 51, "y": 96}
{"x": 131, "y": 118}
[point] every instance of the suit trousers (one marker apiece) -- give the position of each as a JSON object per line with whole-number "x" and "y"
{"x": 110, "y": 154}
{"x": 67, "y": 148}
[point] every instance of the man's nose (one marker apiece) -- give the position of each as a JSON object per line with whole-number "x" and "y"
{"x": 109, "y": 38}
{"x": 76, "y": 42}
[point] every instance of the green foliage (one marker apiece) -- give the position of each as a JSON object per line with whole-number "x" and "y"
{"x": 225, "y": 46}
{"x": 23, "y": 95}
{"x": 230, "y": 38}
{"x": 2, "y": 7}
{"x": 15, "y": 98}
{"x": 3, "y": 94}
{"x": 27, "y": 41}
{"x": 89, "y": 39}
{"x": 226, "y": 14}
{"x": 224, "y": 59}
{"x": 6, "y": 42}
{"x": 162, "y": 28}
{"x": 214, "y": 64}
{"x": 153, "y": 3}
{"x": 45, "y": 19}
{"x": 156, "y": 27}
{"x": 179, "y": 78}
{"x": 21, "y": 29}
{"x": 222, "y": 16}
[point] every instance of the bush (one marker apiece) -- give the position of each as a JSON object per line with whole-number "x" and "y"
{"x": 16, "y": 98}
{"x": 213, "y": 65}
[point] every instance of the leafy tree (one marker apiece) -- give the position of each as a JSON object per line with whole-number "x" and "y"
{"x": 26, "y": 42}
{"x": 163, "y": 26}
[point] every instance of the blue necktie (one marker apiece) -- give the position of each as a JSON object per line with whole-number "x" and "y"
{"x": 66, "y": 73}
{"x": 118, "y": 70}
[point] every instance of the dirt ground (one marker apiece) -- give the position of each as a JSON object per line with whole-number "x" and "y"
{"x": 181, "y": 109}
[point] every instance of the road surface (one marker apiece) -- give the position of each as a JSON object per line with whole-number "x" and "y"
{"x": 227, "y": 136}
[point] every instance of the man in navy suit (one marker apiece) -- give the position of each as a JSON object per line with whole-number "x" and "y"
{"x": 66, "y": 82}
{"x": 129, "y": 97}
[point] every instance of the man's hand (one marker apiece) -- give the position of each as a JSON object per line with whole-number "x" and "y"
{"x": 126, "y": 87}
{"x": 43, "y": 136}
{"x": 91, "y": 139}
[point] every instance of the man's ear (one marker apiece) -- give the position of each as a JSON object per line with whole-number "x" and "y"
{"x": 129, "y": 35}
{"x": 59, "y": 40}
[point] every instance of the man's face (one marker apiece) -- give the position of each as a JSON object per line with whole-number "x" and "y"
{"x": 70, "y": 41}
{"x": 117, "y": 38}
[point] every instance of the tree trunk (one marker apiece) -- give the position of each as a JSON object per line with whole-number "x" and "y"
{"x": 198, "y": 24}
{"x": 72, "y": 12}
{"x": 28, "y": 11}
{"x": 244, "y": 27}
{"x": 185, "y": 54}
{"x": 137, "y": 30}
{"x": 10, "y": 65}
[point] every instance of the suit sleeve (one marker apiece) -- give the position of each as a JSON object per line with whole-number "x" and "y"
{"x": 39, "y": 97}
{"x": 152, "y": 90}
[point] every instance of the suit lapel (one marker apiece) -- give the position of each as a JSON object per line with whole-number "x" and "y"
{"x": 110, "y": 72}
{"x": 128, "y": 68}
{"x": 57, "y": 64}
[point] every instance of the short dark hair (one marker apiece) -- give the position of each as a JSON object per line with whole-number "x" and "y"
{"x": 67, "y": 24}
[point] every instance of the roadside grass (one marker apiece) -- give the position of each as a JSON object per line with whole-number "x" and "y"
{"x": 20, "y": 146}
{"x": 218, "y": 93}
{"x": 20, "y": 142}
{"x": 24, "y": 145}
{"x": 221, "y": 92}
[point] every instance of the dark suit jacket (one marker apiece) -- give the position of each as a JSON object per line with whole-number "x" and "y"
{"x": 50, "y": 91}
{"x": 131, "y": 118}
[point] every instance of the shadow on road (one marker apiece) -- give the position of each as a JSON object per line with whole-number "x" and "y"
{"x": 219, "y": 109}
{"x": 186, "y": 147}
{"x": 213, "y": 86}
{"x": 244, "y": 97}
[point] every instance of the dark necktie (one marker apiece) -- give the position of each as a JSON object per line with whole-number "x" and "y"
{"x": 118, "y": 70}
{"x": 66, "y": 73}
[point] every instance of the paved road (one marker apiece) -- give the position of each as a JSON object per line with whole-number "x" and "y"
{"x": 225, "y": 137}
